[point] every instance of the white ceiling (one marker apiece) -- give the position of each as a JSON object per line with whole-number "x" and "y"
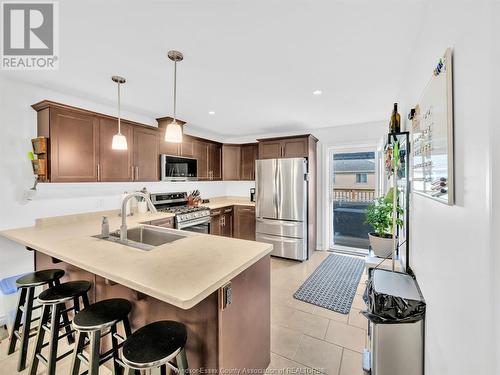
{"x": 255, "y": 63}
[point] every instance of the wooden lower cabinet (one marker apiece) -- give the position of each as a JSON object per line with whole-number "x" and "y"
{"x": 221, "y": 223}
{"x": 214, "y": 334}
{"x": 234, "y": 221}
{"x": 244, "y": 222}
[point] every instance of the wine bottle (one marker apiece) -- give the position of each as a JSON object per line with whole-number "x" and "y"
{"x": 395, "y": 122}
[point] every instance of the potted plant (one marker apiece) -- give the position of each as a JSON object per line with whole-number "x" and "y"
{"x": 379, "y": 216}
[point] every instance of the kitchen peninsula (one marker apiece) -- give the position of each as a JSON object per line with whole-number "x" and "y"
{"x": 219, "y": 287}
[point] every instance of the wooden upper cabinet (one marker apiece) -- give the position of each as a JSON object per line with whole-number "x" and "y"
{"x": 74, "y": 146}
{"x": 169, "y": 148}
{"x": 285, "y": 147}
{"x": 200, "y": 150}
{"x": 187, "y": 146}
{"x": 115, "y": 165}
{"x": 295, "y": 147}
{"x": 269, "y": 149}
{"x": 215, "y": 161}
{"x": 146, "y": 154}
{"x": 248, "y": 156}
{"x": 231, "y": 162}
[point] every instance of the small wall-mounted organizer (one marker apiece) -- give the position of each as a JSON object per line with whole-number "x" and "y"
{"x": 40, "y": 149}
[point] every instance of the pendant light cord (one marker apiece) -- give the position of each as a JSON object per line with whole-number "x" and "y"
{"x": 175, "y": 89}
{"x": 119, "y": 110}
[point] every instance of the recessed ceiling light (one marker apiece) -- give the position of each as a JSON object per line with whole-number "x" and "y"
{"x": 211, "y": 113}
{"x": 317, "y": 92}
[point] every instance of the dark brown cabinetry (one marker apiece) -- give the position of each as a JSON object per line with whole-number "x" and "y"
{"x": 74, "y": 145}
{"x": 80, "y": 149}
{"x": 285, "y": 147}
{"x": 114, "y": 165}
{"x": 244, "y": 222}
{"x": 231, "y": 162}
{"x": 146, "y": 154}
{"x": 221, "y": 223}
{"x": 215, "y": 161}
{"x": 249, "y": 153}
{"x": 187, "y": 146}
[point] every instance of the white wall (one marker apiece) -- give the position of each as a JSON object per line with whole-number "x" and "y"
{"x": 450, "y": 249}
{"x": 495, "y": 181}
{"x": 17, "y": 127}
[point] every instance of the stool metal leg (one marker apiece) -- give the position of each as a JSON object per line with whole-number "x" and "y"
{"x": 17, "y": 320}
{"x": 181, "y": 362}
{"x": 75, "y": 361}
{"x": 95, "y": 343}
{"x": 39, "y": 340}
{"x": 28, "y": 310}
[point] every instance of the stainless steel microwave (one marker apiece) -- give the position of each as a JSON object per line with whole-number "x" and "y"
{"x": 177, "y": 168}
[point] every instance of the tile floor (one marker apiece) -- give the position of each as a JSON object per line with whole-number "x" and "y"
{"x": 304, "y": 338}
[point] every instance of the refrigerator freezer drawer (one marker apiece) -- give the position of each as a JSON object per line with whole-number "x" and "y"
{"x": 295, "y": 229}
{"x": 285, "y": 247}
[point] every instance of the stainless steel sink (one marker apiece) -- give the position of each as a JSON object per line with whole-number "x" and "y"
{"x": 146, "y": 237}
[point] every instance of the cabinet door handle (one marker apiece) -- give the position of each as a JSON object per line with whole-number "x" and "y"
{"x": 132, "y": 174}
{"x": 98, "y": 172}
{"x": 137, "y": 173}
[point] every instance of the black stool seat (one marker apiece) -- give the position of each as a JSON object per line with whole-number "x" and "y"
{"x": 64, "y": 292}
{"x": 102, "y": 314}
{"x": 154, "y": 344}
{"x": 39, "y": 278}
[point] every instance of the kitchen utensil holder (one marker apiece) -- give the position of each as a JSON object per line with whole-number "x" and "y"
{"x": 39, "y": 167}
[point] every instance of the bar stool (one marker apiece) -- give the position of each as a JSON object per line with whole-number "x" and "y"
{"x": 155, "y": 345}
{"x": 54, "y": 301}
{"x": 90, "y": 322}
{"x": 25, "y": 308}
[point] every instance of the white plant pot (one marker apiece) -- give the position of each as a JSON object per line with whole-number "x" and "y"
{"x": 382, "y": 247}
{"x": 142, "y": 207}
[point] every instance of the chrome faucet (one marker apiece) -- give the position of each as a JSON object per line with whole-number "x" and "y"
{"x": 123, "y": 228}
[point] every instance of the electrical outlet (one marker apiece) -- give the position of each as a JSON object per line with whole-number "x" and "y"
{"x": 226, "y": 295}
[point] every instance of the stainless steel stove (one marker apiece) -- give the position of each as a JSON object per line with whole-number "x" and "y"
{"x": 190, "y": 218}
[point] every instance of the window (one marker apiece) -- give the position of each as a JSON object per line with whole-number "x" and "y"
{"x": 361, "y": 178}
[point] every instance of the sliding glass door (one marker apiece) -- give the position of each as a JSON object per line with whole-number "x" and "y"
{"x": 353, "y": 186}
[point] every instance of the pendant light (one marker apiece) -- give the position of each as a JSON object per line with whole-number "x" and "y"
{"x": 173, "y": 133}
{"x": 119, "y": 140}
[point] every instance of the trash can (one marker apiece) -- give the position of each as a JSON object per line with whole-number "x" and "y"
{"x": 396, "y": 312}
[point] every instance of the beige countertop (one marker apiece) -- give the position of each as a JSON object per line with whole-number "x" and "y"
{"x": 228, "y": 201}
{"x": 181, "y": 273}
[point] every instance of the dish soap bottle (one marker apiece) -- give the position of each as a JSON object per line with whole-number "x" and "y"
{"x": 105, "y": 227}
{"x": 395, "y": 122}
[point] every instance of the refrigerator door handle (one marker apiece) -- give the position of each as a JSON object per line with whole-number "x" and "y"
{"x": 276, "y": 181}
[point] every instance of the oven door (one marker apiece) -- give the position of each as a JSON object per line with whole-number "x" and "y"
{"x": 197, "y": 225}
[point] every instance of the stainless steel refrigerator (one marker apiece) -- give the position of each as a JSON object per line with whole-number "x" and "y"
{"x": 281, "y": 206}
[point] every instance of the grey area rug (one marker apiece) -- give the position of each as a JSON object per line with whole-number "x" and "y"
{"x": 333, "y": 284}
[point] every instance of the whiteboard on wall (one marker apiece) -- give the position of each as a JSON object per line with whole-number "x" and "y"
{"x": 432, "y": 136}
